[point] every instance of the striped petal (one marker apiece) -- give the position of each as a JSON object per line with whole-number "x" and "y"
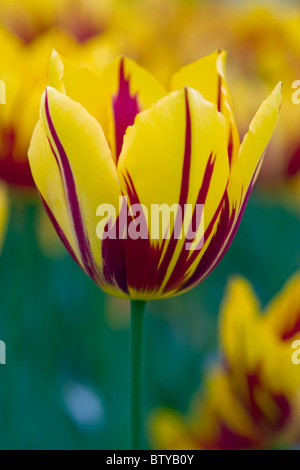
{"x": 72, "y": 166}
{"x": 81, "y": 84}
{"x": 241, "y": 182}
{"x": 174, "y": 154}
{"x": 283, "y": 313}
{"x": 207, "y": 75}
{"x": 240, "y": 313}
{"x": 132, "y": 90}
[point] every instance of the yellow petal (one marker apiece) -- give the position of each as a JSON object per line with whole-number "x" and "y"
{"x": 74, "y": 172}
{"x": 283, "y": 313}
{"x": 255, "y": 142}
{"x": 174, "y": 154}
{"x": 170, "y": 432}
{"x": 239, "y": 312}
{"x": 81, "y": 84}
{"x": 132, "y": 90}
{"x": 207, "y": 75}
{"x": 221, "y": 409}
{"x": 243, "y": 176}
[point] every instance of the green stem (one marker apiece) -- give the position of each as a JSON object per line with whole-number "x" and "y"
{"x": 137, "y": 366}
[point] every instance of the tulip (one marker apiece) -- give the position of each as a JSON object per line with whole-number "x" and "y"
{"x": 120, "y": 134}
{"x": 250, "y": 399}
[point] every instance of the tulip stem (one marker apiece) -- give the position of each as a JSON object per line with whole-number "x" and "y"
{"x": 137, "y": 367}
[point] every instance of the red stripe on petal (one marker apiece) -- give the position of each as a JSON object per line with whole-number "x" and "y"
{"x": 72, "y": 200}
{"x": 187, "y": 258}
{"x": 114, "y": 255}
{"x": 125, "y": 109}
{"x": 292, "y": 331}
{"x": 219, "y": 94}
{"x": 228, "y": 225}
{"x": 58, "y": 229}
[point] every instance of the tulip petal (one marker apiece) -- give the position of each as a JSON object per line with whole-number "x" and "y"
{"x": 81, "y": 84}
{"x": 174, "y": 154}
{"x": 207, "y": 75}
{"x": 240, "y": 185}
{"x": 47, "y": 177}
{"x": 239, "y": 310}
{"x": 132, "y": 90}
{"x": 68, "y": 155}
{"x": 257, "y": 138}
{"x": 283, "y": 313}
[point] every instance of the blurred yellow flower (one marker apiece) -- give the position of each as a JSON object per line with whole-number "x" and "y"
{"x": 178, "y": 148}
{"x": 82, "y": 18}
{"x": 266, "y": 46}
{"x": 252, "y": 398}
{"x": 24, "y": 68}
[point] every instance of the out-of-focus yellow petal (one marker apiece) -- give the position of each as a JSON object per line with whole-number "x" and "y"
{"x": 2, "y": 92}
{"x": 132, "y": 90}
{"x": 68, "y": 152}
{"x": 207, "y": 75}
{"x": 283, "y": 313}
{"x": 169, "y": 432}
{"x": 176, "y": 154}
{"x": 81, "y": 84}
{"x": 220, "y": 410}
{"x": 239, "y": 310}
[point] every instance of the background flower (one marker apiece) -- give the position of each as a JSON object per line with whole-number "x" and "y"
{"x": 252, "y": 398}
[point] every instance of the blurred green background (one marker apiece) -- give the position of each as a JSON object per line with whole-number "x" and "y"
{"x": 65, "y": 384}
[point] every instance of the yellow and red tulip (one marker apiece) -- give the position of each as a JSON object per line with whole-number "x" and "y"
{"x": 121, "y": 134}
{"x": 252, "y": 398}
